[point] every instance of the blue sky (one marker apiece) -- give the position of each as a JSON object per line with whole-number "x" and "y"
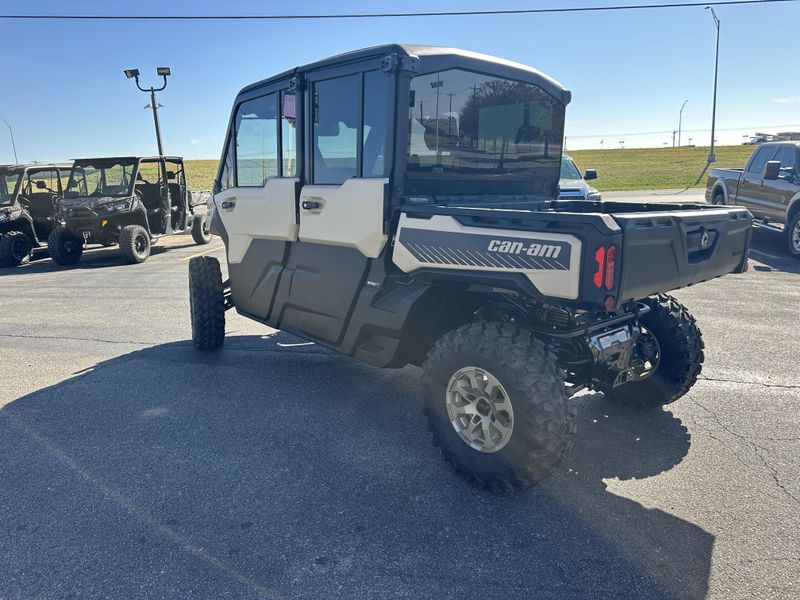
{"x": 629, "y": 71}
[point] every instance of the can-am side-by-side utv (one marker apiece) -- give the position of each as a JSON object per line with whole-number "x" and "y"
{"x": 29, "y": 196}
{"x": 129, "y": 201}
{"x": 398, "y": 205}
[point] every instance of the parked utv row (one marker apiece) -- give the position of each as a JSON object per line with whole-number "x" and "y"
{"x": 128, "y": 201}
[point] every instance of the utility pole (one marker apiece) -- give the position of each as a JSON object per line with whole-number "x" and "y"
{"x": 13, "y": 144}
{"x": 711, "y": 156}
{"x": 680, "y": 122}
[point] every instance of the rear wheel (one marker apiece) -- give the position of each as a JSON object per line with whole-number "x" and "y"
{"x": 16, "y": 248}
{"x": 497, "y": 405}
{"x": 64, "y": 248}
{"x": 719, "y": 197}
{"x": 793, "y": 235}
{"x": 672, "y": 346}
{"x": 201, "y": 229}
{"x": 134, "y": 244}
{"x": 206, "y": 303}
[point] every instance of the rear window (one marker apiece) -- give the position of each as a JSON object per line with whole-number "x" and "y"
{"x": 471, "y": 133}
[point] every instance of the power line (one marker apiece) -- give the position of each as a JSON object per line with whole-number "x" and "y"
{"x": 457, "y": 13}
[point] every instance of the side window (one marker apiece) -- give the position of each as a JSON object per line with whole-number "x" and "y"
{"x": 376, "y": 107}
{"x": 335, "y": 130}
{"x": 288, "y": 134}
{"x": 760, "y": 159}
{"x": 787, "y": 155}
{"x": 256, "y": 141}
{"x": 226, "y": 177}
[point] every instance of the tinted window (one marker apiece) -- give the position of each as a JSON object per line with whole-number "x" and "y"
{"x": 473, "y": 133}
{"x": 257, "y": 141}
{"x": 226, "y": 177}
{"x": 760, "y": 159}
{"x": 336, "y": 120}
{"x": 376, "y": 107}
{"x": 787, "y": 156}
{"x": 288, "y": 135}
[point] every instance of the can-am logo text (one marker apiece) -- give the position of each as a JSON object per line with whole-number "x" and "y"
{"x": 534, "y": 249}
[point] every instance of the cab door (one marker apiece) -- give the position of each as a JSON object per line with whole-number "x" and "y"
{"x": 342, "y": 201}
{"x": 778, "y": 192}
{"x": 751, "y": 191}
{"x": 257, "y": 202}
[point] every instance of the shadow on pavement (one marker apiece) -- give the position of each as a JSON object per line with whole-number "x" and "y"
{"x": 273, "y": 468}
{"x": 770, "y": 249}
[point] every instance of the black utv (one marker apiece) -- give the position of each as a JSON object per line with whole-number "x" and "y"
{"x": 130, "y": 201}
{"x": 399, "y": 205}
{"x": 29, "y": 196}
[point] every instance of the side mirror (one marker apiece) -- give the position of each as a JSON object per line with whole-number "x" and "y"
{"x": 590, "y": 174}
{"x": 772, "y": 170}
{"x": 40, "y": 185}
{"x": 786, "y": 173}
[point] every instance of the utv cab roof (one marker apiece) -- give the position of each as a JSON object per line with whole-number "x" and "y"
{"x": 428, "y": 59}
{"x": 112, "y": 159}
{"x": 23, "y": 166}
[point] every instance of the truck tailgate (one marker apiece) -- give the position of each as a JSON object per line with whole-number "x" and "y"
{"x": 664, "y": 251}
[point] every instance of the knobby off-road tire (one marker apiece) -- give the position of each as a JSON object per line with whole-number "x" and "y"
{"x": 681, "y": 357}
{"x": 64, "y": 248}
{"x": 134, "y": 244}
{"x": 793, "y": 235}
{"x": 206, "y": 303}
{"x": 530, "y": 380}
{"x": 201, "y": 229}
{"x": 16, "y": 248}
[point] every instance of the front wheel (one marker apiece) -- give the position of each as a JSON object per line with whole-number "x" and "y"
{"x": 134, "y": 244}
{"x": 497, "y": 405}
{"x": 672, "y": 345}
{"x": 64, "y": 248}
{"x": 793, "y": 235}
{"x": 206, "y": 302}
{"x": 16, "y": 248}
{"x": 201, "y": 229}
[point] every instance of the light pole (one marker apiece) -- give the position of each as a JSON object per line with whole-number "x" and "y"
{"x": 711, "y": 157}
{"x": 164, "y": 73}
{"x": 13, "y": 145}
{"x": 680, "y": 122}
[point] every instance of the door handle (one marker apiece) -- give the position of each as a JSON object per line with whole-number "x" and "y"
{"x": 310, "y": 204}
{"x": 228, "y": 204}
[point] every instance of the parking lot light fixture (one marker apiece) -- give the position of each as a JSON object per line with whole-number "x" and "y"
{"x": 711, "y": 157}
{"x": 164, "y": 72}
{"x": 680, "y": 121}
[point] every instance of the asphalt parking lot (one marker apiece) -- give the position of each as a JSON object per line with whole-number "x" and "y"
{"x": 133, "y": 466}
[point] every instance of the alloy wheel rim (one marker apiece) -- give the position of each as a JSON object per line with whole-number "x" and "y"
{"x": 479, "y": 409}
{"x": 796, "y": 237}
{"x": 140, "y": 244}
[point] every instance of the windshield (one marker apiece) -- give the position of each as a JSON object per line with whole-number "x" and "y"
{"x": 569, "y": 169}
{"x": 471, "y": 133}
{"x": 8, "y": 185}
{"x": 101, "y": 179}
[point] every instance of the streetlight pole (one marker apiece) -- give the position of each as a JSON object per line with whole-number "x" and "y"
{"x": 711, "y": 157}
{"x": 13, "y": 144}
{"x": 680, "y": 122}
{"x": 164, "y": 72}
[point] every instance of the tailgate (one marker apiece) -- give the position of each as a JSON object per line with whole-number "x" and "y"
{"x": 663, "y": 251}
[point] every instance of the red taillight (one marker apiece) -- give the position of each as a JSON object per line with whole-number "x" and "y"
{"x": 611, "y": 266}
{"x": 599, "y": 256}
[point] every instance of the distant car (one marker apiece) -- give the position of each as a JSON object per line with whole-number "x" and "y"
{"x": 572, "y": 185}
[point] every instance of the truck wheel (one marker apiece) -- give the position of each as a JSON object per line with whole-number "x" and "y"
{"x": 719, "y": 198}
{"x": 496, "y": 405}
{"x": 134, "y": 244}
{"x": 206, "y": 303}
{"x": 64, "y": 248}
{"x": 793, "y": 235}
{"x": 201, "y": 229}
{"x": 16, "y": 248}
{"x": 674, "y": 347}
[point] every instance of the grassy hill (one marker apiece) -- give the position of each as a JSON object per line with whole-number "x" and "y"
{"x": 654, "y": 168}
{"x": 633, "y": 169}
